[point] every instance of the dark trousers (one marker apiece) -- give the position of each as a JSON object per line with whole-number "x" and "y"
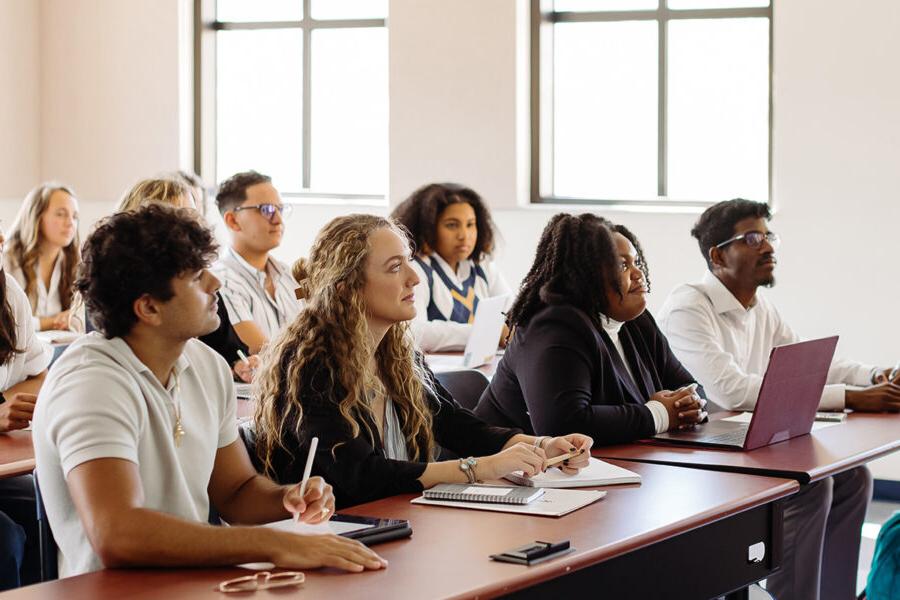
{"x": 822, "y": 533}
{"x": 18, "y": 506}
{"x": 12, "y": 550}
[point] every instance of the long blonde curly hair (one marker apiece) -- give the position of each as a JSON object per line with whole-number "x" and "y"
{"x": 331, "y": 332}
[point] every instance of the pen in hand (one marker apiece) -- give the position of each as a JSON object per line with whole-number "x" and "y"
{"x": 313, "y": 444}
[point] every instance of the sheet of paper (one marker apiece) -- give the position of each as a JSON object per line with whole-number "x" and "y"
{"x": 554, "y": 503}
{"x": 745, "y": 417}
{"x": 336, "y": 527}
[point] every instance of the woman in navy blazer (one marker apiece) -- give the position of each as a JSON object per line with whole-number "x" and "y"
{"x": 585, "y": 354}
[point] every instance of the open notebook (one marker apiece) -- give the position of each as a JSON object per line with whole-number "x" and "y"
{"x": 596, "y": 473}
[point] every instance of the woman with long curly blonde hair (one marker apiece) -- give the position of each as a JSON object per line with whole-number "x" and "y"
{"x": 346, "y": 371}
{"x": 43, "y": 254}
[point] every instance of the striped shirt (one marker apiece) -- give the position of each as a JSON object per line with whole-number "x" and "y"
{"x": 244, "y": 292}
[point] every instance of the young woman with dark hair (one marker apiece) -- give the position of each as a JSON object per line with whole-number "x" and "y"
{"x": 345, "y": 370}
{"x": 453, "y": 237}
{"x": 585, "y": 355}
{"x": 43, "y": 254}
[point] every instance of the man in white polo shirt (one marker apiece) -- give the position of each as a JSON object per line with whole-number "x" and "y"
{"x": 723, "y": 331}
{"x": 258, "y": 291}
{"x": 135, "y": 431}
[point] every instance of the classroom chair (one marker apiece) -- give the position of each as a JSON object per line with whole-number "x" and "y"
{"x": 466, "y": 386}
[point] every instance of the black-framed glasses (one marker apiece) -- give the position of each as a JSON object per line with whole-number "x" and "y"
{"x": 268, "y": 210}
{"x": 754, "y": 239}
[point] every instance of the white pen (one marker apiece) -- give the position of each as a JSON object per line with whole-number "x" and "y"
{"x": 243, "y": 357}
{"x": 307, "y": 470}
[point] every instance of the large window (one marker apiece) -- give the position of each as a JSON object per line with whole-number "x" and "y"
{"x": 651, "y": 101}
{"x": 296, "y": 89}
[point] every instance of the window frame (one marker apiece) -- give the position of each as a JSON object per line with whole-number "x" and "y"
{"x": 543, "y": 18}
{"x": 206, "y": 26}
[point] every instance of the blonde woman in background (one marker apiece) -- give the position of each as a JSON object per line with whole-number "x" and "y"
{"x": 43, "y": 253}
{"x": 174, "y": 191}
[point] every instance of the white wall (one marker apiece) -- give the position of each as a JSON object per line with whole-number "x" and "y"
{"x": 457, "y": 77}
{"x": 19, "y": 102}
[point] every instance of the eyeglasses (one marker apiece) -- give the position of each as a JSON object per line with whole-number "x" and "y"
{"x": 754, "y": 239}
{"x": 268, "y": 210}
{"x": 261, "y": 581}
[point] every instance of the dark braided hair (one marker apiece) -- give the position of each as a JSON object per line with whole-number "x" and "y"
{"x": 576, "y": 262}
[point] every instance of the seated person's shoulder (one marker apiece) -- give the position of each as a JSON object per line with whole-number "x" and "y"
{"x": 15, "y": 294}
{"x": 560, "y": 323}
{"x": 202, "y": 357}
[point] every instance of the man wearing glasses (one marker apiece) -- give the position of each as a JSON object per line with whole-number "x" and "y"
{"x": 723, "y": 331}
{"x": 258, "y": 291}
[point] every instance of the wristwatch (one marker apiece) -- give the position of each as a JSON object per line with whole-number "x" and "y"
{"x": 467, "y": 466}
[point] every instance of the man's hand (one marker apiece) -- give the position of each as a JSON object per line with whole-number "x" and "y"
{"x": 884, "y": 397}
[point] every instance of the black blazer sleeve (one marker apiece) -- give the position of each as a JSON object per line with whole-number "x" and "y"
{"x": 672, "y": 374}
{"x": 460, "y": 431}
{"x": 559, "y": 369}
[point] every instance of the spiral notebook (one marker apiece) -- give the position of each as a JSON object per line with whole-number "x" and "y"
{"x": 462, "y": 492}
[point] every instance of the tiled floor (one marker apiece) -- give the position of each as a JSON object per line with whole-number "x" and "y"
{"x": 879, "y": 512}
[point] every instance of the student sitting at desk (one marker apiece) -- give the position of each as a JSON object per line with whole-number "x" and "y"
{"x": 135, "y": 432}
{"x": 258, "y": 290}
{"x": 585, "y": 355}
{"x": 173, "y": 191}
{"x": 723, "y": 330}
{"x": 453, "y": 235}
{"x": 23, "y": 366}
{"x": 346, "y": 371}
{"x": 43, "y": 252}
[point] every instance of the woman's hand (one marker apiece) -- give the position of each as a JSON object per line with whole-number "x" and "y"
{"x": 570, "y": 443}
{"x": 518, "y": 457}
{"x": 246, "y": 370}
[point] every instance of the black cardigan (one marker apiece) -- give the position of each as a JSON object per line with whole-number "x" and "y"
{"x": 358, "y": 470}
{"x": 561, "y": 374}
{"x": 225, "y": 340}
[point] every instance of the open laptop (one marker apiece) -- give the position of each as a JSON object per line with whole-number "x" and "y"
{"x": 483, "y": 340}
{"x": 786, "y": 406}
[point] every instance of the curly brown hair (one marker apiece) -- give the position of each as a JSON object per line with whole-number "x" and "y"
{"x": 134, "y": 253}
{"x": 332, "y": 332}
{"x": 575, "y": 263}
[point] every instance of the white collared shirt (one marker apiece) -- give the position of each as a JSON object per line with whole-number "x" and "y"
{"x": 36, "y": 355}
{"x": 101, "y": 401}
{"x": 659, "y": 412}
{"x": 726, "y": 347}
{"x": 48, "y": 302}
{"x": 244, "y": 292}
{"x": 442, "y": 334}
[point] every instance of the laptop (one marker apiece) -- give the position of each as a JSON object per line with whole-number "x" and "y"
{"x": 483, "y": 339}
{"x": 786, "y": 406}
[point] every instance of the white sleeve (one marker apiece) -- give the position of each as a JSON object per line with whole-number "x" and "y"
{"x": 691, "y": 335}
{"x": 228, "y": 419}
{"x": 94, "y": 414}
{"x": 497, "y": 284}
{"x": 37, "y": 354}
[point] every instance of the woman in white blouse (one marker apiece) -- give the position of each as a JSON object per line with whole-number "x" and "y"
{"x": 43, "y": 255}
{"x": 453, "y": 237}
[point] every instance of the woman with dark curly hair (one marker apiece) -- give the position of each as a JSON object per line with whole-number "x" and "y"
{"x": 453, "y": 237}
{"x": 585, "y": 355}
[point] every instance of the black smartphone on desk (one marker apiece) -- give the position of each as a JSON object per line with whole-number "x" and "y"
{"x": 371, "y": 530}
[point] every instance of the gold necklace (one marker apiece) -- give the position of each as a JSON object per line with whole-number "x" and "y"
{"x": 178, "y": 431}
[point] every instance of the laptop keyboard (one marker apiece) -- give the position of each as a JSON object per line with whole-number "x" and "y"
{"x": 733, "y": 438}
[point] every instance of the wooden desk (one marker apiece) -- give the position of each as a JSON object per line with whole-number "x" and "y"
{"x": 861, "y": 438}
{"x": 16, "y": 454}
{"x": 674, "y": 525}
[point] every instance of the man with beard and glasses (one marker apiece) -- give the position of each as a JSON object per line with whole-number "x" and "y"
{"x": 722, "y": 330}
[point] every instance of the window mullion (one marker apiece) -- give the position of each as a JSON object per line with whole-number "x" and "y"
{"x": 662, "y": 108}
{"x": 307, "y": 95}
